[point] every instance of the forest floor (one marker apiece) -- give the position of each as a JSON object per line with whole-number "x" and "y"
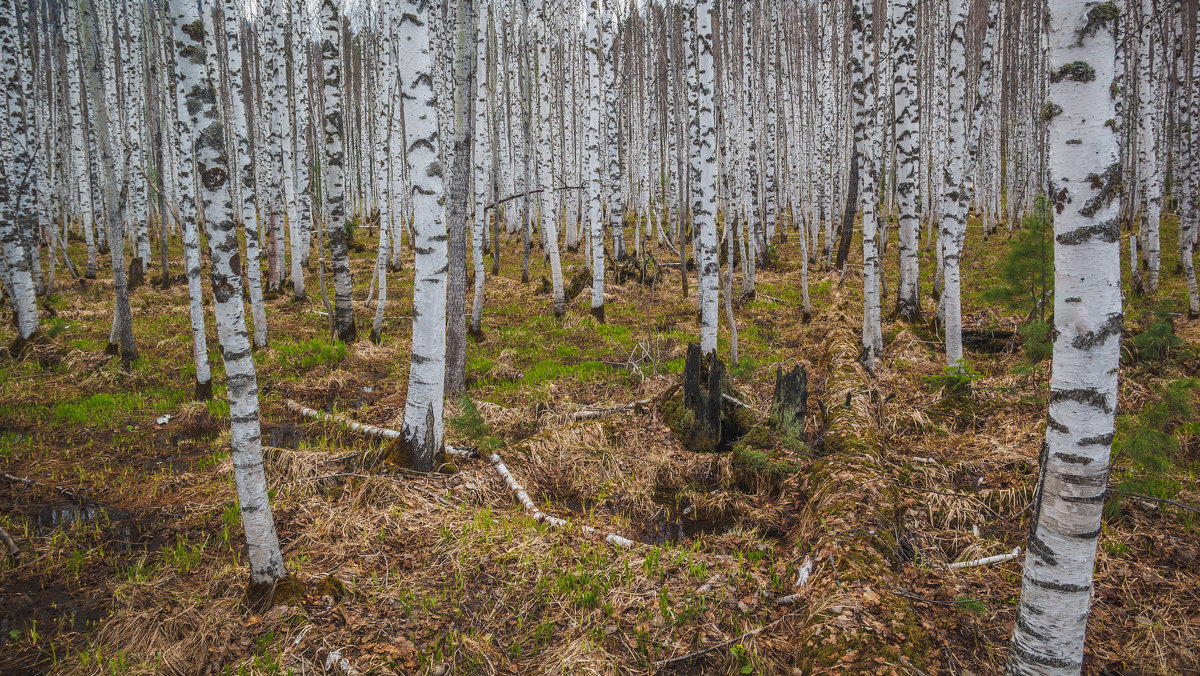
{"x": 139, "y": 566}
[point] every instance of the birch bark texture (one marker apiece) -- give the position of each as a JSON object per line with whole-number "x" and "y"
{"x": 908, "y": 159}
{"x": 15, "y": 172}
{"x": 1048, "y": 638}
{"x": 335, "y": 174}
{"x": 704, "y": 204}
{"x": 954, "y": 198}
{"x": 423, "y": 430}
{"x": 241, "y": 380}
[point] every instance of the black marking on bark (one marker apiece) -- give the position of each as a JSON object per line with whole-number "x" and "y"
{"x": 1057, "y": 586}
{"x": 1046, "y": 661}
{"x": 1092, "y": 339}
{"x": 1040, "y": 549}
{"x": 1085, "y": 480}
{"x": 1083, "y": 395}
{"x": 1083, "y": 499}
{"x": 1108, "y": 231}
{"x": 1108, "y": 186}
{"x": 1073, "y": 459}
{"x": 1055, "y": 425}
{"x": 1073, "y": 299}
{"x": 1098, "y": 440}
{"x": 1076, "y": 71}
{"x": 1050, "y": 111}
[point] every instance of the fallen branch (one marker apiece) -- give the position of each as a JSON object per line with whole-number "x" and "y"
{"x": 734, "y": 400}
{"x": 540, "y": 516}
{"x": 369, "y": 430}
{"x": 593, "y": 412}
{"x": 999, "y": 558}
{"x": 510, "y": 198}
{"x": 65, "y": 492}
{"x": 913, "y": 597}
{"x": 704, "y": 651}
{"x": 1162, "y": 501}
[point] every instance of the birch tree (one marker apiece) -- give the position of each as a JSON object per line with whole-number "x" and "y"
{"x": 908, "y": 138}
{"x": 594, "y": 168}
{"x": 190, "y": 76}
{"x": 241, "y": 381}
{"x": 461, "y": 193}
{"x": 1057, "y": 585}
{"x": 333, "y": 163}
{"x": 863, "y": 74}
{"x": 704, "y": 206}
{"x": 954, "y": 199}
{"x": 15, "y": 173}
{"x": 423, "y": 430}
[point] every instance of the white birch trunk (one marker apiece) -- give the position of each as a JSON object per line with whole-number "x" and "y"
{"x": 423, "y": 429}
{"x": 334, "y": 161}
{"x": 1057, "y": 585}
{"x": 704, "y": 205}
{"x": 908, "y": 171}
{"x": 954, "y": 200}
{"x": 266, "y": 561}
{"x": 594, "y": 168}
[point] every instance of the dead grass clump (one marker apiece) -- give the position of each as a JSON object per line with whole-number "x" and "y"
{"x": 195, "y": 421}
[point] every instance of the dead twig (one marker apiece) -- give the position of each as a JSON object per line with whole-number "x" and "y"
{"x": 704, "y": 651}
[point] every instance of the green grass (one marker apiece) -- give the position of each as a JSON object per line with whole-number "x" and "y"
{"x": 310, "y": 354}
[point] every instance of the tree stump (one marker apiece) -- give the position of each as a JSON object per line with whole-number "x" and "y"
{"x": 698, "y": 413}
{"x": 789, "y": 404}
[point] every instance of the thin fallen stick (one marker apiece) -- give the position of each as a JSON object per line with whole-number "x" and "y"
{"x": 1151, "y": 498}
{"x": 540, "y": 516}
{"x": 369, "y": 430}
{"x": 593, "y": 412}
{"x": 704, "y": 651}
{"x": 734, "y": 400}
{"x": 519, "y": 490}
{"x": 913, "y": 597}
{"x": 999, "y": 558}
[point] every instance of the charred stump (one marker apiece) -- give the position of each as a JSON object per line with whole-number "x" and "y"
{"x": 699, "y": 413}
{"x": 789, "y": 404}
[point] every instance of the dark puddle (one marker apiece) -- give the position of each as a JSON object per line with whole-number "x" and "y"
{"x": 116, "y": 529}
{"x": 679, "y": 523}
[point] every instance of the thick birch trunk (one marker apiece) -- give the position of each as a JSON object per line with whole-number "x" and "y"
{"x": 1057, "y": 585}
{"x": 422, "y": 433}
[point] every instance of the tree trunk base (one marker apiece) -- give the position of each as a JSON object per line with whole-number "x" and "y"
{"x": 598, "y": 313}
{"x": 204, "y": 391}
{"x": 789, "y": 405}
{"x": 699, "y": 413}
{"x": 137, "y": 274}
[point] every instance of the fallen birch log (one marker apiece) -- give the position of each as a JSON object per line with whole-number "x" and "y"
{"x": 369, "y": 430}
{"x": 540, "y": 516}
{"x": 999, "y": 558}
{"x": 497, "y": 463}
